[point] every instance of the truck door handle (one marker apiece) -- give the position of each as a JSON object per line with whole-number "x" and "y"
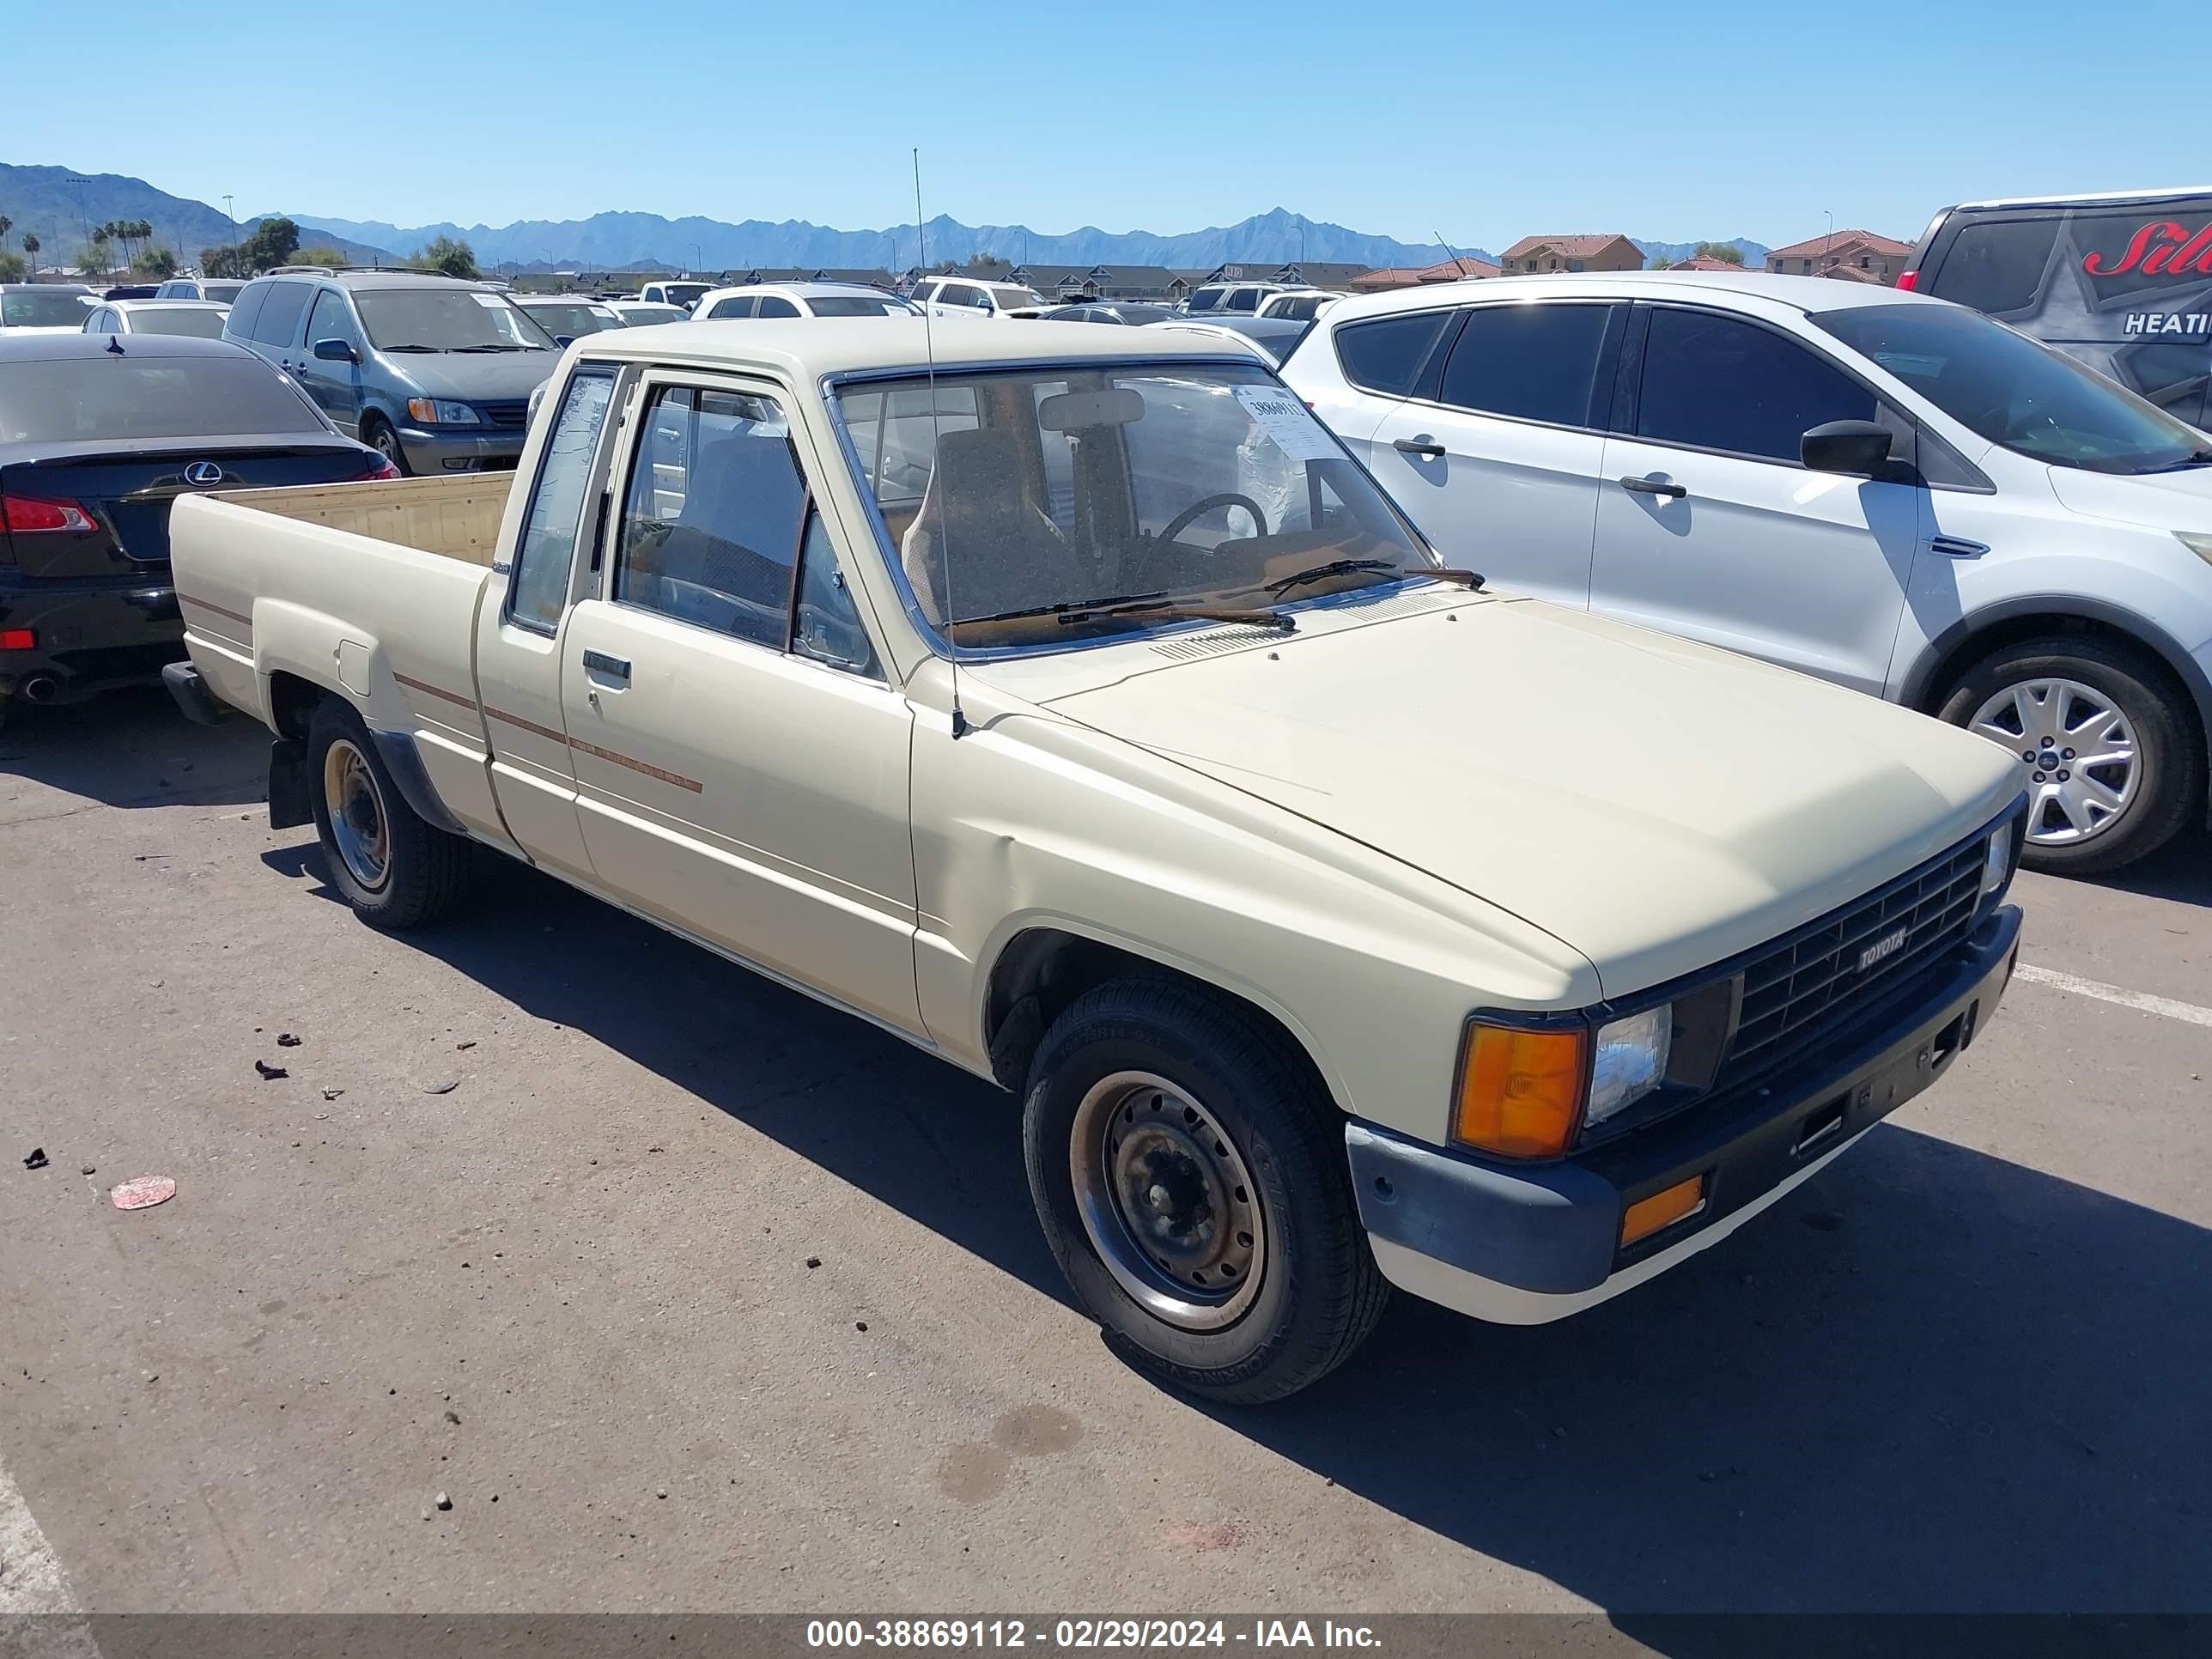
{"x": 1654, "y": 487}
{"x": 1418, "y": 446}
{"x": 613, "y": 668}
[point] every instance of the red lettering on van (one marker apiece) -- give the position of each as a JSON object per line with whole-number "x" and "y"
{"x": 2160, "y": 248}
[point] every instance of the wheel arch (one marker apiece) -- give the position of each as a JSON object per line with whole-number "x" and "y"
{"x": 1945, "y": 657}
{"x": 1044, "y": 968}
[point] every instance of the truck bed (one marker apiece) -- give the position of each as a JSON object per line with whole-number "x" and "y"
{"x": 457, "y": 517}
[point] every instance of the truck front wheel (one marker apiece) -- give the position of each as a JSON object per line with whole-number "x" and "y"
{"x": 395, "y": 870}
{"x": 1191, "y": 1180}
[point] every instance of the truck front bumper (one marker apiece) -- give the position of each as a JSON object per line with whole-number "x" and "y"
{"x": 89, "y": 636}
{"x": 1523, "y": 1244}
{"x": 432, "y": 450}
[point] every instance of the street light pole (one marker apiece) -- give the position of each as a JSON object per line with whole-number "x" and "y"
{"x": 230, "y": 212}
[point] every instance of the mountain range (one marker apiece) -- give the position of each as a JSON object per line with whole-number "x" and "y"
{"x": 45, "y": 201}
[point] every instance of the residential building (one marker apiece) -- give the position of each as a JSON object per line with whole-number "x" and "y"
{"x": 1549, "y": 253}
{"x": 1463, "y": 269}
{"x": 1706, "y": 262}
{"x": 1068, "y": 284}
{"x": 1862, "y": 254}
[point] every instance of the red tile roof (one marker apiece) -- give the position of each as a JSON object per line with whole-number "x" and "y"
{"x": 1568, "y": 247}
{"x": 1372, "y": 281}
{"x": 1820, "y": 245}
{"x": 1704, "y": 262}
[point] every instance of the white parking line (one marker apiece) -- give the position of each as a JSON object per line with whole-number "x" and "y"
{"x": 32, "y": 1581}
{"x": 2118, "y": 995}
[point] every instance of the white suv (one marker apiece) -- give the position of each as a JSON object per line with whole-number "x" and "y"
{"x": 962, "y": 296}
{"x": 799, "y": 299}
{"x": 1887, "y": 490}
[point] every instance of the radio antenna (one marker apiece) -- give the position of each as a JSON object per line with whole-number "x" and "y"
{"x": 936, "y": 462}
{"x": 1458, "y": 264}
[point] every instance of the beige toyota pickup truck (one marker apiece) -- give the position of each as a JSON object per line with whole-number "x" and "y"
{"x": 1074, "y": 705}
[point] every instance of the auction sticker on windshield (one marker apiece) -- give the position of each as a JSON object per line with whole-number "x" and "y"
{"x": 1284, "y": 419}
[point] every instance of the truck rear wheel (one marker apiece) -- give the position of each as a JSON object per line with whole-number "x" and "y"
{"x": 395, "y": 870}
{"x": 1191, "y": 1180}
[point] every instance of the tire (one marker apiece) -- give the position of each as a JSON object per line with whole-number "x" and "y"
{"x": 382, "y": 437}
{"x": 2164, "y": 771}
{"x": 1124, "y": 1085}
{"x": 396, "y": 870}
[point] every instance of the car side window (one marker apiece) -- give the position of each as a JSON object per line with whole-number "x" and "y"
{"x": 278, "y": 325}
{"x": 1534, "y": 362}
{"x": 1996, "y": 265}
{"x": 331, "y": 320}
{"x": 710, "y": 529}
{"x": 549, "y": 533}
{"x": 736, "y": 306}
{"x": 827, "y": 624}
{"x": 1721, "y": 383}
{"x": 101, "y": 321}
{"x": 1386, "y": 355}
{"x": 245, "y": 310}
{"x": 772, "y": 306}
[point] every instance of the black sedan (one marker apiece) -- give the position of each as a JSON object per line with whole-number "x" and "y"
{"x": 98, "y": 434}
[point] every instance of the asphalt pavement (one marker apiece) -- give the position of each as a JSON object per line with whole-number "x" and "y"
{"x": 687, "y": 1294}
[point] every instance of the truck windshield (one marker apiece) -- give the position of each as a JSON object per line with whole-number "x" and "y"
{"x": 447, "y": 320}
{"x": 574, "y": 320}
{"x": 685, "y": 294}
{"x": 2014, "y": 391}
{"x": 1053, "y": 486}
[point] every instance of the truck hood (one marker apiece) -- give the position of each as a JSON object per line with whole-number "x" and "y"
{"x": 472, "y": 376}
{"x": 1656, "y": 805}
{"x": 2163, "y": 501}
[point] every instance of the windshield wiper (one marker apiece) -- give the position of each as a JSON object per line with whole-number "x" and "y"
{"x": 410, "y": 348}
{"x": 1063, "y": 609}
{"x": 1254, "y": 615}
{"x": 489, "y": 346}
{"x": 1348, "y": 566}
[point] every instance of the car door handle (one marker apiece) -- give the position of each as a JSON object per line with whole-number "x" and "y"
{"x": 613, "y": 668}
{"x": 1418, "y": 446}
{"x": 1654, "y": 487}
{"x": 1958, "y": 547}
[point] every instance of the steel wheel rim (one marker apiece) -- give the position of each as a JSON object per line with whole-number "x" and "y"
{"x": 1168, "y": 1201}
{"x": 2077, "y": 755}
{"x": 360, "y": 825}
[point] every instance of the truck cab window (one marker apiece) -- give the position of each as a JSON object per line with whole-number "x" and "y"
{"x": 710, "y": 529}
{"x": 827, "y": 623}
{"x": 548, "y": 534}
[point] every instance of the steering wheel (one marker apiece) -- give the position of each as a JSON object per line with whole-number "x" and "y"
{"x": 1182, "y": 521}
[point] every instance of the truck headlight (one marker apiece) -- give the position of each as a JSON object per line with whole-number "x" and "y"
{"x": 436, "y": 411}
{"x": 1997, "y": 858}
{"x": 1524, "y": 1090}
{"x": 1629, "y": 1061}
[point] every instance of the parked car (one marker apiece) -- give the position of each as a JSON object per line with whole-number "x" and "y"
{"x": 97, "y": 437}
{"x": 569, "y": 317}
{"x": 1297, "y": 304}
{"x": 1273, "y": 339}
{"x": 201, "y": 318}
{"x": 1212, "y": 851}
{"x": 1127, "y": 313}
{"x": 645, "y": 313}
{"x": 681, "y": 295}
{"x": 42, "y": 308}
{"x": 1880, "y": 488}
{"x": 962, "y": 296}
{"x": 200, "y": 288}
{"x": 799, "y": 299}
{"x": 131, "y": 291}
{"x": 1214, "y": 299}
{"x": 433, "y": 372}
{"x": 2122, "y": 282}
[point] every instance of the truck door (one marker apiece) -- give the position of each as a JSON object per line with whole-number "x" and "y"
{"x": 741, "y": 758}
{"x": 520, "y": 628}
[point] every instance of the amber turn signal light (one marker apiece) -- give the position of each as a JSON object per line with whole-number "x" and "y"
{"x": 1520, "y": 1091}
{"x": 1663, "y": 1209}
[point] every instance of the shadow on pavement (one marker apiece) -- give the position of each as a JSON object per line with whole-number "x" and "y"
{"x": 1929, "y": 1380}
{"x": 129, "y": 748}
{"x": 2180, "y": 871}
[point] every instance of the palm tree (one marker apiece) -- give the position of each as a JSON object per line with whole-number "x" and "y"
{"x": 31, "y": 254}
{"x": 6, "y": 225}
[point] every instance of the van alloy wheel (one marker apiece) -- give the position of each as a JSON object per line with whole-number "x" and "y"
{"x": 1167, "y": 1201}
{"x": 359, "y": 822}
{"x": 2077, "y": 754}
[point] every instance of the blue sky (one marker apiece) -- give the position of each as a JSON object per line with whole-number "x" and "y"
{"x": 1702, "y": 117}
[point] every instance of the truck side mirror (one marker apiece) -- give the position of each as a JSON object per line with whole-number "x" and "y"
{"x": 336, "y": 351}
{"x": 1851, "y": 446}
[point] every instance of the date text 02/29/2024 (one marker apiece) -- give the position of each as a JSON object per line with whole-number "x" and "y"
{"x": 1084, "y": 1635}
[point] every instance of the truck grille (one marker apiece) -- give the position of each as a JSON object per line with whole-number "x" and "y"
{"x": 509, "y": 412}
{"x": 1811, "y": 981}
